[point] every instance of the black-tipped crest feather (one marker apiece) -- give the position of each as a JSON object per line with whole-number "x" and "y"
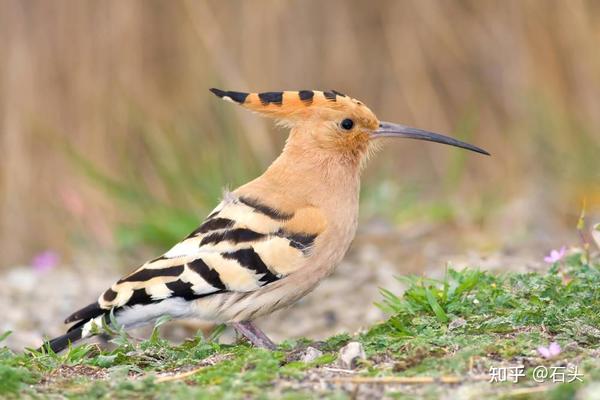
{"x": 238, "y": 97}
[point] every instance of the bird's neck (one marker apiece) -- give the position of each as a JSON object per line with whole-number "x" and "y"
{"x": 314, "y": 175}
{"x": 303, "y": 175}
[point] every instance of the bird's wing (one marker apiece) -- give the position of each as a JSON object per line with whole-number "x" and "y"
{"x": 240, "y": 247}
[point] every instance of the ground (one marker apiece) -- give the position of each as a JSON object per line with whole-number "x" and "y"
{"x": 468, "y": 334}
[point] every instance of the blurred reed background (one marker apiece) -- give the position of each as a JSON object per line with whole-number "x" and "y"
{"x": 110, "y": 139}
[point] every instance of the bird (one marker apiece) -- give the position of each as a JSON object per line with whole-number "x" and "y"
{"x": 269, "y": 242}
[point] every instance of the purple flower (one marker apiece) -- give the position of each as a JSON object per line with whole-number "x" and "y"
{"x": 549, "y": 352}
{"x": 555, "y": 255}
{"x": 45, "y": 261}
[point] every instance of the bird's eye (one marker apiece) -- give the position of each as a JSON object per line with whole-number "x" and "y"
{"x": 347, "y": 124}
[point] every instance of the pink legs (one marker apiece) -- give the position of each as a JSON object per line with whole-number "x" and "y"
{"x": 253, "y": 334}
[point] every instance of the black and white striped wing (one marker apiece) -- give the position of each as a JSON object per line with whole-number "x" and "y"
{"x": 242, "y": 246}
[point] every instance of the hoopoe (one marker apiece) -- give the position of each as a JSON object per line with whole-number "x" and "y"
{"x": 270, "y": 241}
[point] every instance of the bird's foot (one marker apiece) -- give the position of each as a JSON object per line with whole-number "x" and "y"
{"x": 254, "y": 335}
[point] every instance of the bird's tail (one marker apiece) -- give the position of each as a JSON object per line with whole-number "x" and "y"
{"x": 82, "y": 329}
{"x": 62, "y": 342}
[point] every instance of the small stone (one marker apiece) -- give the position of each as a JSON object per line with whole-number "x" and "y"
{"x": 310, "y": 354}
{"x": 350, "y": 354}
{"x": 456, "y": 323}
{"x": 596, "y": 234}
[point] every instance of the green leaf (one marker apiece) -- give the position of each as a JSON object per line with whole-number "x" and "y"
{"x": 5, "y": 335}
{"x": 155, "y": 336}
{"x": 435, "y": 306}
{"x": 217, "y": 332}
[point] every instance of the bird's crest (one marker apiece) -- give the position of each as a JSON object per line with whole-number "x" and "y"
{"x": 289, "y": 105}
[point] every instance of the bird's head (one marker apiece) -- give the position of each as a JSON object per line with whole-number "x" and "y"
{"x": 331, "y": 121}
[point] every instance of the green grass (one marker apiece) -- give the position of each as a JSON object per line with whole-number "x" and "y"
{"x": 461, "y": 325}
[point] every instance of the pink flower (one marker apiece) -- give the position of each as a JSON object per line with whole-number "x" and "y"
{"x": 555, "y": 255}
{"x": 549, "y": 352}
{"x": 45, "y": 261}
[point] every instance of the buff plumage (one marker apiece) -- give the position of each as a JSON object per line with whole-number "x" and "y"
{"x": 269, "y": 242}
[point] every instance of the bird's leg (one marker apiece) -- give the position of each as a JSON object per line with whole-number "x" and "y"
{"x": 254, "y": 335}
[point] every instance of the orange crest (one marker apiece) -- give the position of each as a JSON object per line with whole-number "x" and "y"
{"x": 291, "y": 106}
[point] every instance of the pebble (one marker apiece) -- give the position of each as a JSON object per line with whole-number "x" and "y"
{"x": 350, "y": 354}
{"x": 310, "y": 354}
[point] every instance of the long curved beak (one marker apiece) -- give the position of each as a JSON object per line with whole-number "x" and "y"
{"x": 387, "y": 129}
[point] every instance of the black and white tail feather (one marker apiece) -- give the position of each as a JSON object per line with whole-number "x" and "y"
{"x": 241, "y": 247}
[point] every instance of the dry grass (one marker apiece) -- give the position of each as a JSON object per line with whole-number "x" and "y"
{"x": 520, "y": 78}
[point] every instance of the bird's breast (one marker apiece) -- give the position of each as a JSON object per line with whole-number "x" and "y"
{"x": 331, "y": 246}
